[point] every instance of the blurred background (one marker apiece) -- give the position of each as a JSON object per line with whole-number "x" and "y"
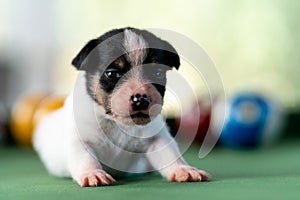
{"x": 254, "y": 44}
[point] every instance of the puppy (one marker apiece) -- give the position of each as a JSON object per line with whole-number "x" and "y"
{"x": 110, "y": 124}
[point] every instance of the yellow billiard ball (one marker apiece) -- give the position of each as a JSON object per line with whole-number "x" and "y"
{"x": 28, "y": 112}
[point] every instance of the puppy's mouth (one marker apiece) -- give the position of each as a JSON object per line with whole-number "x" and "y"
{"x": 140, "y": 115}
{"x": 140, "y": 118}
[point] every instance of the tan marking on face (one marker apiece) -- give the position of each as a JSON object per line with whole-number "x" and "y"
{"x": 97, "y": 92}
{"x": 120, "y": 63}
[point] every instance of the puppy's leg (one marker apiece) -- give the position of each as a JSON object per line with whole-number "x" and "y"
{"x": 86, "y": 169}
{"x": 165, "y": 157}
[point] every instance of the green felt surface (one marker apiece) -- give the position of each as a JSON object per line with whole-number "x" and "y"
{"x": 272, "y": 173}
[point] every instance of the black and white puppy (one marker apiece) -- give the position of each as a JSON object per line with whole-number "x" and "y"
{"x": 111, "y": 122}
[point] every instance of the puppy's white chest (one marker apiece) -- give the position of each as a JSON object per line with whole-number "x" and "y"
{"x": 121, "y": 140}
{"x": 114, "y": 138}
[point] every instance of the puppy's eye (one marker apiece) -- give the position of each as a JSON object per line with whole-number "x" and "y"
{"x": 113, "y": 74}
{"x": 159, "y": 74}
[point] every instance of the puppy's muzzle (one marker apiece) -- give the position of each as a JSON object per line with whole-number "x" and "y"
{"x": 140, "y": 102}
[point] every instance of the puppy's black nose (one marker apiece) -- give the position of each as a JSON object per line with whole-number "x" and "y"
{"x": 140, "y": 102}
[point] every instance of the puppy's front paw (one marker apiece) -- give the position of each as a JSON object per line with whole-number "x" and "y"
{"x": 187, "y": 173}
{"x": 95, "y": 178}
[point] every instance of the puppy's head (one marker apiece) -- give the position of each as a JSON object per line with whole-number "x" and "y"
{"x": 126, "y": 73}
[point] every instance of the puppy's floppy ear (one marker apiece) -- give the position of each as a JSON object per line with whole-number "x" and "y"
{"x": 79, "y": 62}
{"x": 174, "y": 59}
{"x": 171, "y": 55}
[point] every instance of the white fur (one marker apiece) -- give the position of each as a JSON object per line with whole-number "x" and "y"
{"x": 73, "y": 145}
{"x": 136, "y": 46}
